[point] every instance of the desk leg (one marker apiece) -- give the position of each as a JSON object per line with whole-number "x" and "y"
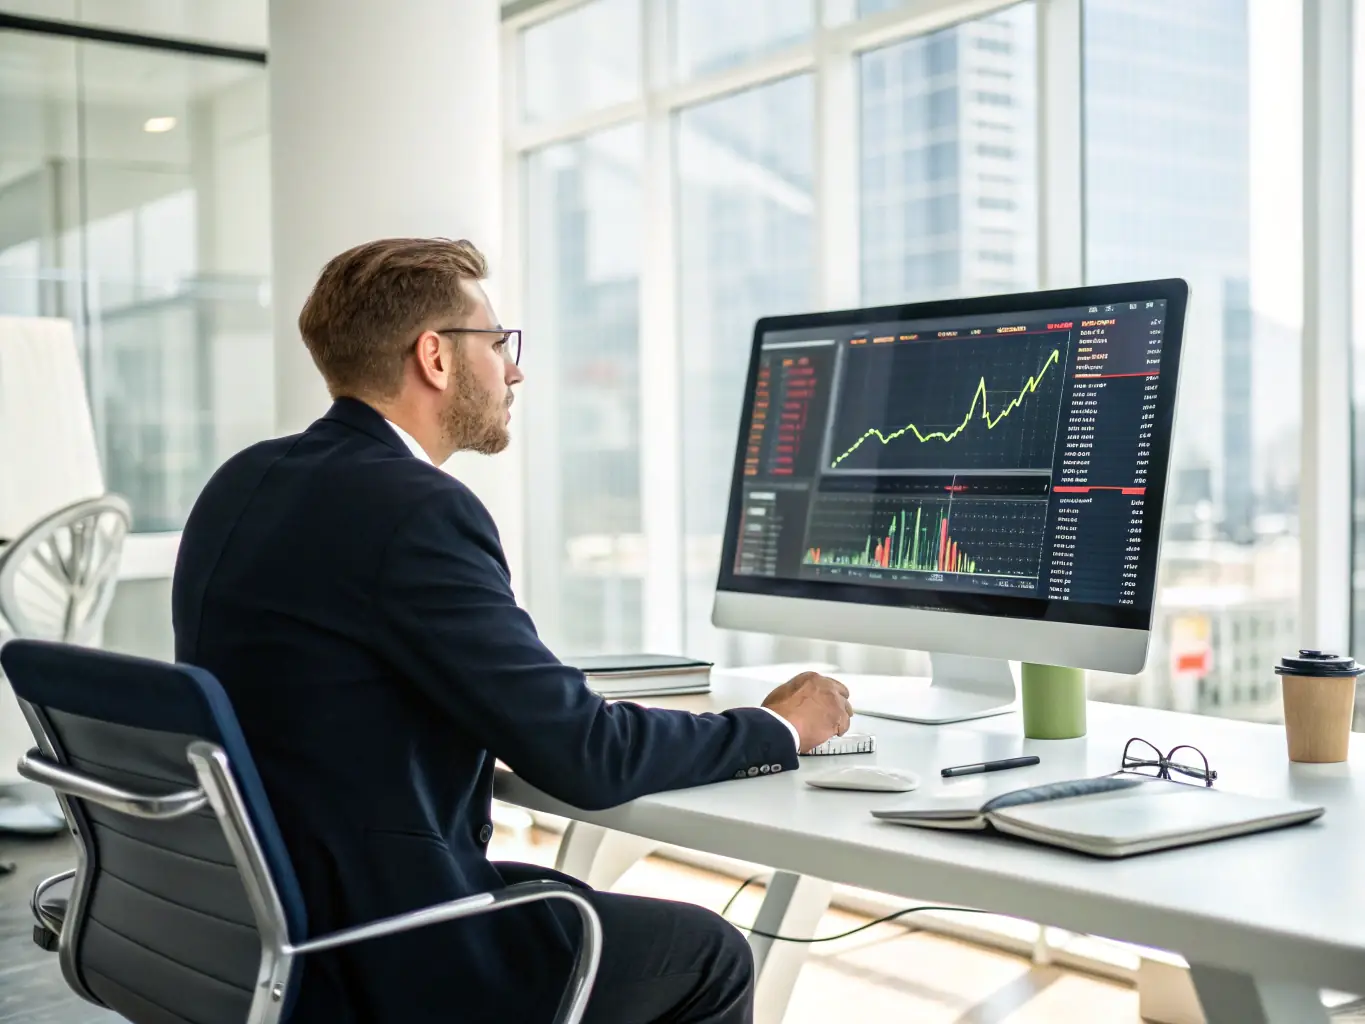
{"x": 1230, "y": 997}
{"x": 599, "y": 856}
{"x": 793, "y": 906}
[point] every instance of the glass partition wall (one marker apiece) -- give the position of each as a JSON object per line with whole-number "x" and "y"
{"x": 134, "y": 202}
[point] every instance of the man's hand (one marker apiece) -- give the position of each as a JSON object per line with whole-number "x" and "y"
{"x": 817, "y": 705}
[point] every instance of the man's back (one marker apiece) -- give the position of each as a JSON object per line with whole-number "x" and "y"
{"x": 277, "y": 593}
{"x": 354, "y": 602}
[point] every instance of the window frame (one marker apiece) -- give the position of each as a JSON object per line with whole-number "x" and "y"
{"x": 831, "y": 54}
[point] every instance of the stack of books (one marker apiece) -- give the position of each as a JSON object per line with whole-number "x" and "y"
{"x": 616, "y": 676}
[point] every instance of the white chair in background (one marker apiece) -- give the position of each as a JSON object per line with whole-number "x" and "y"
{"x": 57, "y": 577}
{"x": 56, "y": 581}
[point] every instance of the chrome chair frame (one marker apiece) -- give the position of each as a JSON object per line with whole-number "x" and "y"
{"x": 219, "y": 791}
{"x": 40, "y": 914}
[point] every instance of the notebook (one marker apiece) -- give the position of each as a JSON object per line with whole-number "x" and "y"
{"x": 1110, "y": 816}
{"x": 644, "y": 675}
{"x": 848, "y": 743}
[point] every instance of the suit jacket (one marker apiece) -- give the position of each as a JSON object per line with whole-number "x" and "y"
{"x": 355, "y": 603}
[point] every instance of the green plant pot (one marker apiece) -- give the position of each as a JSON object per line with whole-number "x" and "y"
{"x": 1053, "y": 701}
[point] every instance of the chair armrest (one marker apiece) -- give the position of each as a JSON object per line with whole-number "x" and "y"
{"x": 575, "y": 999}
{"x": 69, "y": 782}
{"x": 36, "y": 905}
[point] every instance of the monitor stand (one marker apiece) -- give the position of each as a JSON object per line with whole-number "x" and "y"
{"x": 960, "y": 688}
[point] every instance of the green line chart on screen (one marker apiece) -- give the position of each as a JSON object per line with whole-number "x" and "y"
{"x": 978, "y": 399}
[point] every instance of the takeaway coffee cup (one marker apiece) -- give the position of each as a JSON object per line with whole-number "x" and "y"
{"x": 1319, "y": 692}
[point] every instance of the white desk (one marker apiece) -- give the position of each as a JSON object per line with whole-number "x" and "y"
{"x": 1264, "y": 920}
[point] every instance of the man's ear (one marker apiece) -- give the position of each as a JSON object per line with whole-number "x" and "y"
{"x": 435, "y": 359}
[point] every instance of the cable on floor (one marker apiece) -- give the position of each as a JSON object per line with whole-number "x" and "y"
{"x": 842, "y": 935}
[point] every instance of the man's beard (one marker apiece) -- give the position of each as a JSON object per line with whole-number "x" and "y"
{"x": 475, "y": 421}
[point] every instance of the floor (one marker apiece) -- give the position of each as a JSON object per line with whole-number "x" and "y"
{"x": 31, "y": 987}
{"x": 888, "y": 973}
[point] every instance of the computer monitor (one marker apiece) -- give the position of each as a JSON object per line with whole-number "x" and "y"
{"x": 980, "y": 478}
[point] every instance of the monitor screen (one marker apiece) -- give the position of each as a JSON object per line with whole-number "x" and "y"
{"x": 1003, "y": 456}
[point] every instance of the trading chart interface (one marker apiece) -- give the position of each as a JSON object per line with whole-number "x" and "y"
{"x": 1007, "y": 453}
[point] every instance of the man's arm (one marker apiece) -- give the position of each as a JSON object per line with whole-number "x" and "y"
{"x": 454, "y": 629}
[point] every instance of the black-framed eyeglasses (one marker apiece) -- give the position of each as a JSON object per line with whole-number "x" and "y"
{"x": 509, "y": 344}
{"x": 1141, "y": 757}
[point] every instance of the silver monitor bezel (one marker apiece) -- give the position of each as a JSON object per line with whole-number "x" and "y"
{"x": 1036, "y": 634}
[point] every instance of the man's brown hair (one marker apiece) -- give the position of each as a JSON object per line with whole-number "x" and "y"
{"x": 371, "y": 302}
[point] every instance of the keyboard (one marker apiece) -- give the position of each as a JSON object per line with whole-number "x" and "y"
{"x": 848, "y": 743}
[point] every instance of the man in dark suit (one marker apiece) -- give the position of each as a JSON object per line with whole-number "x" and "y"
{"x": 354, "y": 601}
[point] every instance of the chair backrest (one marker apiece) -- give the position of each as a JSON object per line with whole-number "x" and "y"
{"x": 174, "y": 915}
{"x": 57, "y": 577}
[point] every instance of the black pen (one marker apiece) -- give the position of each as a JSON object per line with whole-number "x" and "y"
{"x": 990, "y": 766}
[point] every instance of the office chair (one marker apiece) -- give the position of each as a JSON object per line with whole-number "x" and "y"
{"x": 150, "y": 762}
{"x": 56, "y": 581}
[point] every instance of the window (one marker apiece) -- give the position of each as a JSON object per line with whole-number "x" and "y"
{"x": 583, "y": 250}
{"x": 1191, "y": 155}
{"x": 1193, "y": 169}
{"x": 943, "y": 107}
{"x": 135, "y": 202}
{"x": 19, "y": 281}
{"x": 866, "y": 7}
{"x": 745, "y": 229}
{"x": 716, "y": 34}
{"x": 924, "y": 152}
{"x": 583, "y": 60}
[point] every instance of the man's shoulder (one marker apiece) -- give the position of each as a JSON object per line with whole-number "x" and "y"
{"x": 434, "y": 496}
{"x": 332, "y": 479}
{"x": 245, "y": 469}
{"x": 328, "y": 453}
{"x": 333, "y": 464}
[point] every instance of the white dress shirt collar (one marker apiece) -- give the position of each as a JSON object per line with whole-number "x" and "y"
{"x": 410, "y": 441}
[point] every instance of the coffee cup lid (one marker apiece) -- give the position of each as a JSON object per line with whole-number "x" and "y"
{"x": 1319, "y": 663}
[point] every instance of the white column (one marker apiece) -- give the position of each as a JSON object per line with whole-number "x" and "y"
{"x": 385, "y": 121}
{"x": 661, "y": 483}
{"x": 838, "y": 264}
{"x": 1325, "y": 474}
{"x": 1061, "y": 171}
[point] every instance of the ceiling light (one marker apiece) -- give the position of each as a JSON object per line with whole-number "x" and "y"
{"x": 158, "y": 124}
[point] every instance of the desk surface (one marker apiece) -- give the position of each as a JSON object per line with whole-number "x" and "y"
{"x": 1288, "y": 904}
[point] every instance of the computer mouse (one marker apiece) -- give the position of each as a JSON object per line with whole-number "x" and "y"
{"x": 869, "y": 777}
